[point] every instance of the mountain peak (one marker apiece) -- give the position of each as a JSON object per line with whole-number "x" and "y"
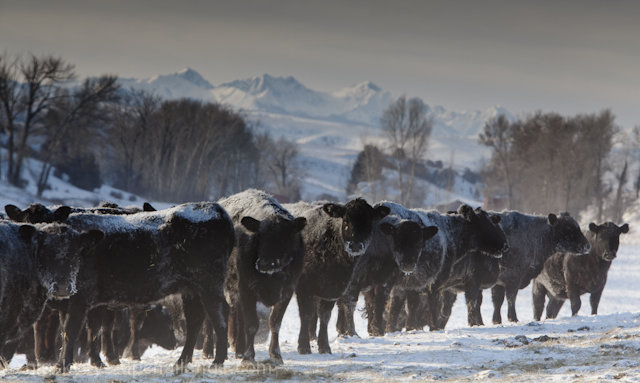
{"x": 194, "y": 77}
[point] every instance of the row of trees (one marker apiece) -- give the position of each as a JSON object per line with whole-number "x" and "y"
{"x": 548, "y": 162}
{"x": 169, "y": 150}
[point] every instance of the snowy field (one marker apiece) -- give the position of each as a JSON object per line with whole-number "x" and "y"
{"x": 584, "y": 348}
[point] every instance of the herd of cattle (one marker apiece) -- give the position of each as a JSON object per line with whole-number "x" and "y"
{"x": 119, "y": 277}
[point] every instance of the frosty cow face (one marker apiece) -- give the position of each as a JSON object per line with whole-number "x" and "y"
{"x": 566, "y": 234}
{"x": 485, "y": 234}
{"x": 358, "y": 218}
{"x": 58, "y": 249}
{"x": 278, "y": 241}
{"x": 605, "y": 239}
{"x": 407, "y": 239}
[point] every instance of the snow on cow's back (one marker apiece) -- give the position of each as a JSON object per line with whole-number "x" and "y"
{"x": 150, "y": 221}
{"x": 253, "y": 203}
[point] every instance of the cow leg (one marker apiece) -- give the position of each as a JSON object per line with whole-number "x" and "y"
{"x": 94, "y": 322}
{"x": 413, "y": 311}
{"x": 236, "y": 331}
{"x": 45, "y": 332}
{"x": 574, "y": 298}
{"x": 194, "y": 315}
{"x": 251, "y": 322}
{"x": 136, "y": 320}
{"x": 473, "y": 298}
{"x": 305, "y": 309}
{"x": 553, "y": 307}
{"x": 218, "y": 314}
{"x": 394, "y": 306}
{"x": 207, "y": 343}
{"x": 30, "y": 352}
{"x": 497, "y": 297}
{"x": 275, "y": 321}
{"x": 324, "y": 314}
{"x": 447, "y": 300}
{"x": 511, "y": 292}
{"x": 346, "y": 309}
{"x": 108, "y": 345}
{"x": 539, "y": 293}
{"x": 595, "y": 301}
{"x": 72, "y": 325}
{"x": 313, "y": 322}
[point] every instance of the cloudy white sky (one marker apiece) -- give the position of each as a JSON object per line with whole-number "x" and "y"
{"x": 565, "y": 56}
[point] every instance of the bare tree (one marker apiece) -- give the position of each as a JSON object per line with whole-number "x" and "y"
{"x": 73, "y": 111}
{"x": 497, "y": 135}
{"x": 284, "y": 167}
{"x": 408, "y": 129}
{"x": 27, "y": 89}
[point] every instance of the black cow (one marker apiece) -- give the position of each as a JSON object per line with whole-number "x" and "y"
{"x": 397, "y": 244}
{"x": 264, "y": 267}
{"x": 566, "y": 276}
{"x": 336, "y": 235}
{"x": 36, "y": 264}
{"x": 147, "y": 256}
{"x": 532, "y": 240}
{"x": 47, "y": 327}
{"x": 459, "y": 235}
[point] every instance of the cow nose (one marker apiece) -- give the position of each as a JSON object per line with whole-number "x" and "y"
{"x": 356, "y": 246}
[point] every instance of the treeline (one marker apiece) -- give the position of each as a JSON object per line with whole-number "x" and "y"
{"x": 549, "y": 162}
{"x": 179, "y": 150}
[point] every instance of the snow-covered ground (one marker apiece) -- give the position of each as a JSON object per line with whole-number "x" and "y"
{"x": 583, "y": 348}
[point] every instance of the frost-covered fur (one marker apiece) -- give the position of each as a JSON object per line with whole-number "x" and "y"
{"x": 567, "y": 276}
{"x": 149, "y": 255}
{"x": 36, "y": 263}
{"x": 399, "y": 240}
{"x": 459, "y": 235}
{"x": 335, "y": 237}
{"x": 264, "y": 267}
{"x": 532, "y": 240}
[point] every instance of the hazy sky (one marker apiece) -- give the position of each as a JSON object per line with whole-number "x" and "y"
{"x": 565, "y": 56}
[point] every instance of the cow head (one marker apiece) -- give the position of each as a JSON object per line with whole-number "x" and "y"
{"x": 357, "y": 218}
{"x": 605, "y": 239}
{"x": 37, "y": 213}
{"x": 158, "y": 328}
{"x": 58, "y": 249}
{"x": 278, "y": 241}
{"x": 566, "y": 234}
{"x": 486, "y": 236}
{"x": 407, "y": 241}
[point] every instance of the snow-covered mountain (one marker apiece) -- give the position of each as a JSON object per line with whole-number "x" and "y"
{"x": 330, "y": 127}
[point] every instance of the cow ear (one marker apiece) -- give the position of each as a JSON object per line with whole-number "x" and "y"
{"x": 334, "y": 210}
{"x": 593, "y": 227}
{"x": 251, "y": 224}
{"x": 13, "y": 212}
{"x": 495, "y": 219}
{"x": 624, "y": 228}
{"x": 429, "y": 232}
{"x": 26, "y": 232}
{"x": 91, "y": 237}
{"x": 382, "y": 211}
{"x": 300, "y": 223}
{"x": 552, "y": 218}
{"x": 61, "y": 214}
{"x": 466, "y": 212}
{"x": 387, "y": 228}
{"x": 147, "y": 207}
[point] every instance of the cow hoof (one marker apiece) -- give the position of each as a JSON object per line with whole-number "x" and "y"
{"x": 113, "y": 362}
{"x": 323, "y": 350}
{"x": 98, "y": 364}
{"x": 62, "y": 369}
{"x": 273, "y": 362}
{"x": 29, "y": 367}
{"x": 248, "y": 364}
{"x": 304, "y": 350}
{"x": 217, "y": 364}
